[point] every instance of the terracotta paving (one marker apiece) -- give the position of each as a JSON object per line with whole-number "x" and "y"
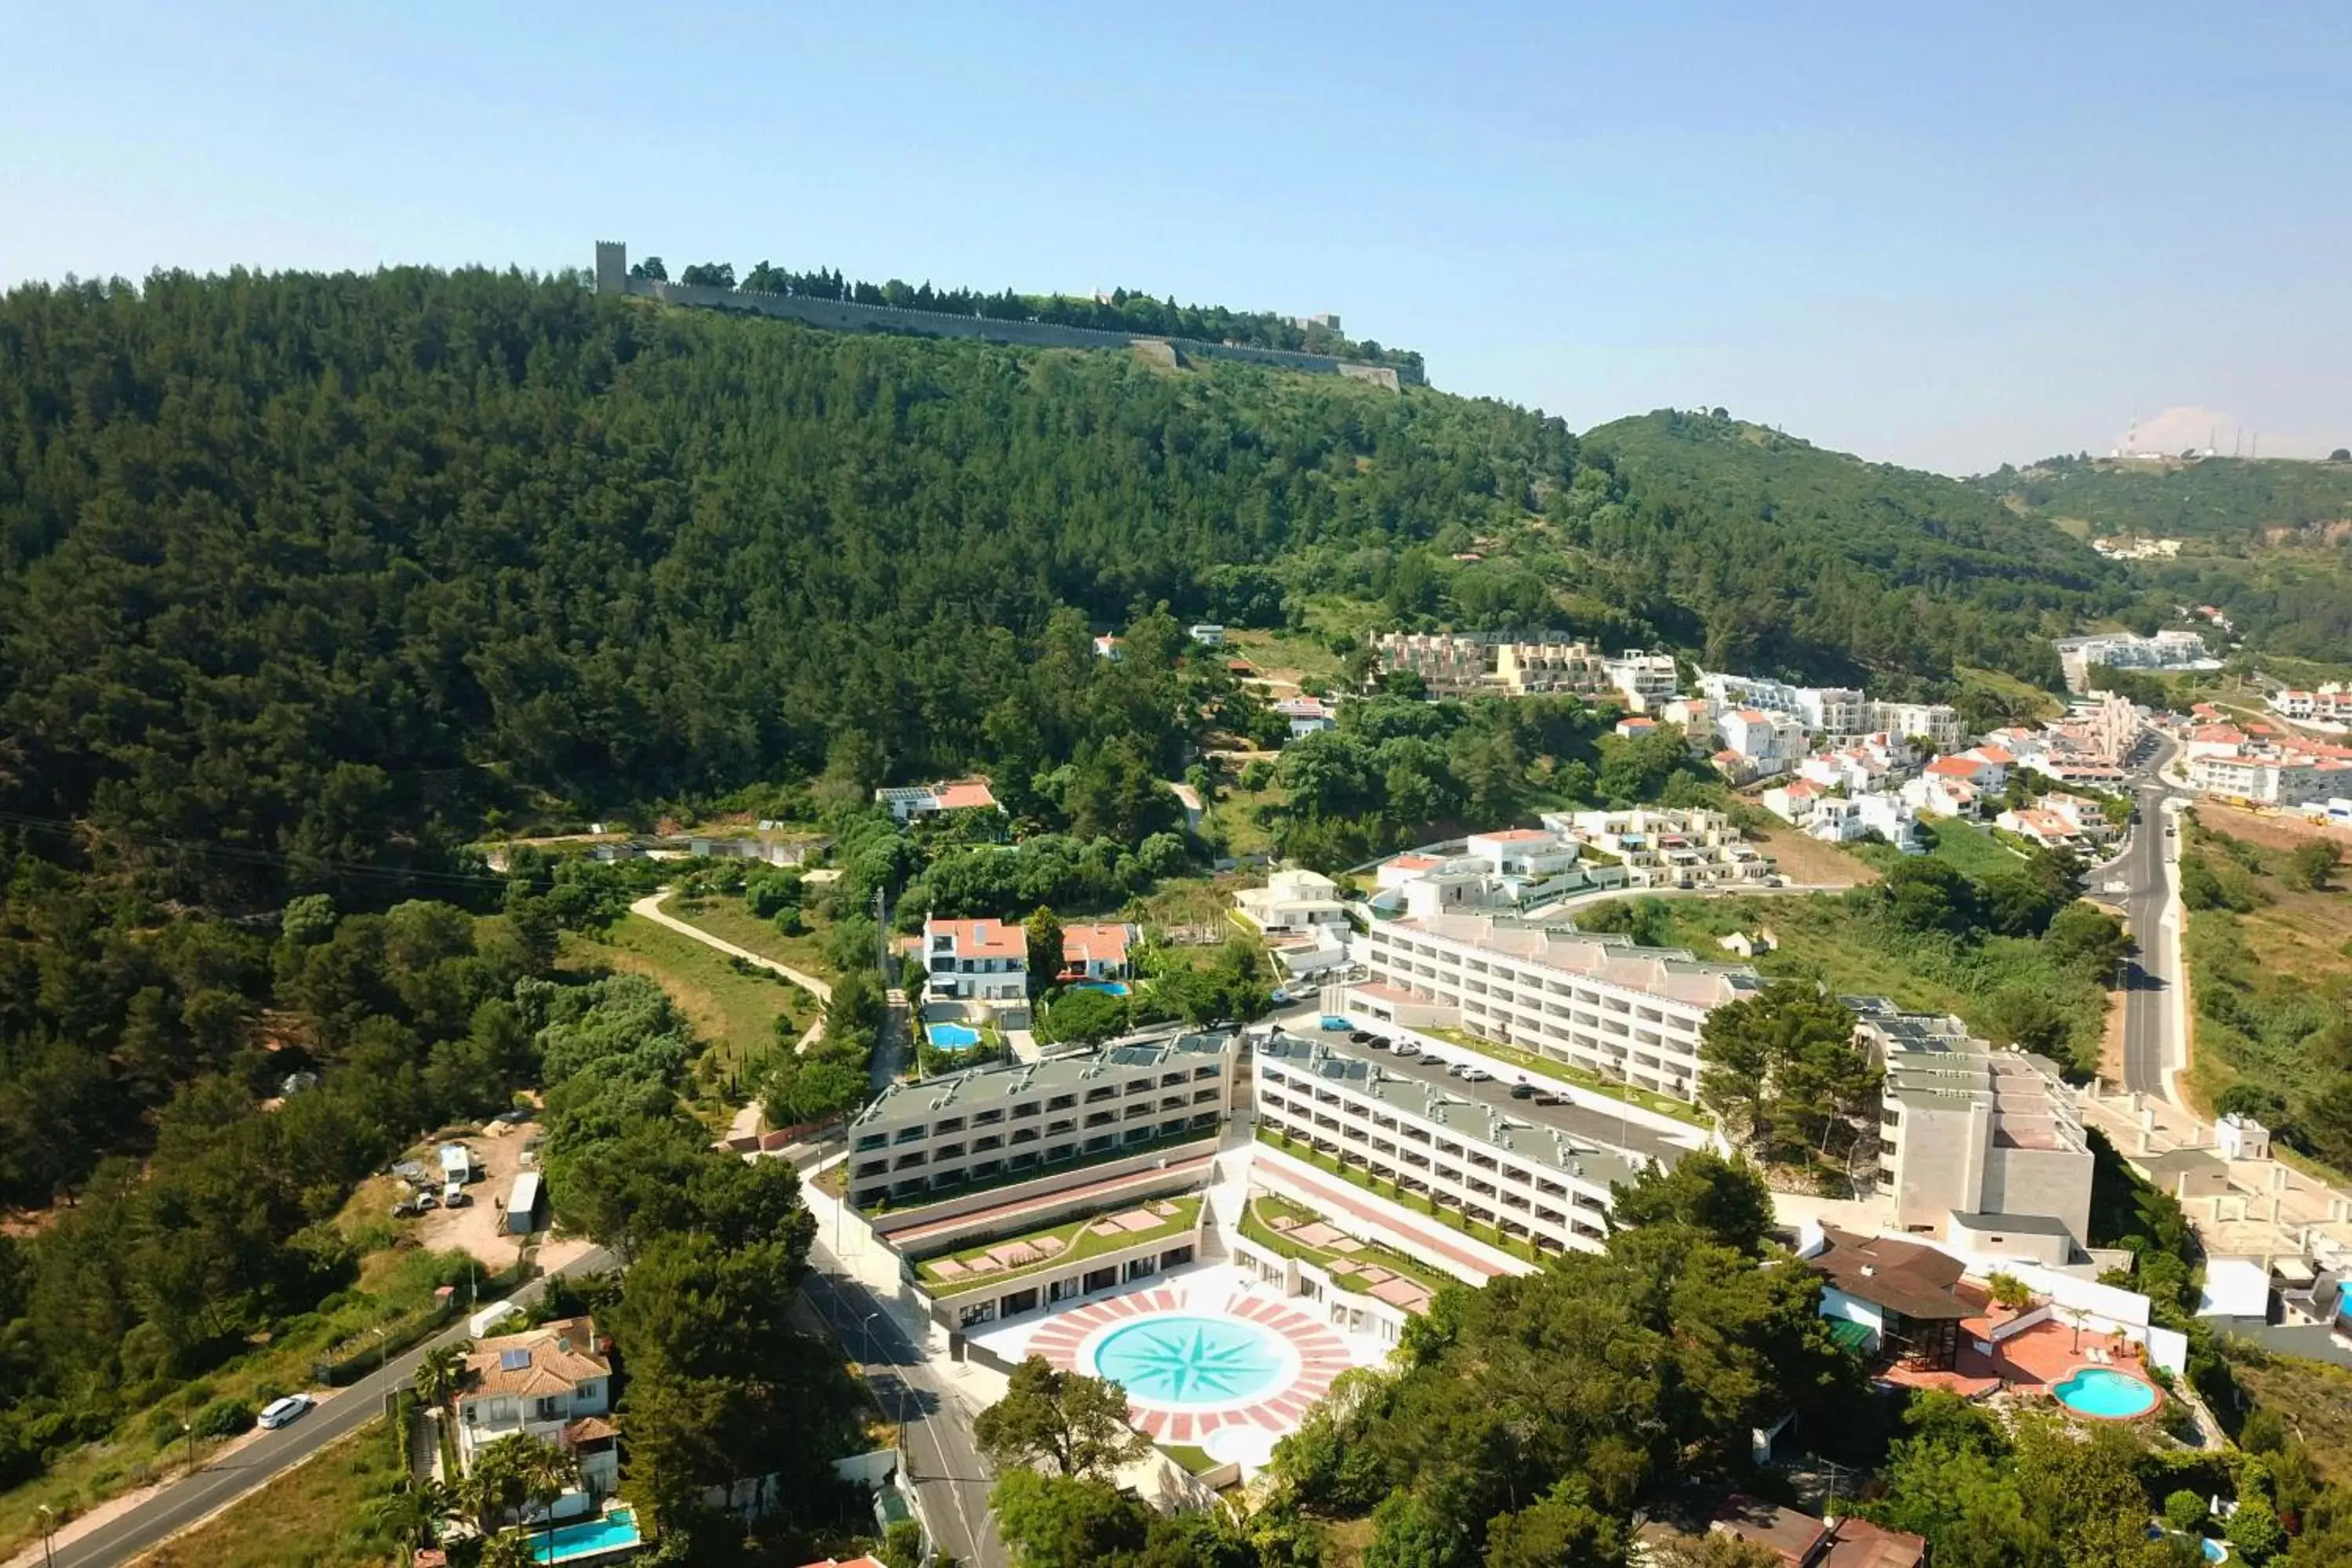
{"x": 2027, "y": 1362}
{"x": 1321, "y": 1357}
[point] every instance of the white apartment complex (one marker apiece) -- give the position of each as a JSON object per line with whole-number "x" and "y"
{"x": 1839, "y": 714}
{"x": 1466, "y": 664}
{"x": 1661, "y": 847}
{"x": 2271, "y": 778}
{"x": 1533, "y": 1170}
{"x": 1595, "y": 1001}
{"x": 1970, "y": 1135}
{"x": 553, "y": 1383}
{"x": 2164, "y": 650}
{"x": 2328, "y": 704}
{"x": 1294, "y": 902}
{"x": 1001, "y": 1122}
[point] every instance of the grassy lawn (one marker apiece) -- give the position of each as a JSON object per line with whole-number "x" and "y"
{"x": 1285, "y": 656}
{"x": 313, "y": 1516}
{"x": 1232, "y": 821}
{"x": 1517, "y": 1247}
{"x": 727, "y": 918}
{"x": 1266, "y": 1207}
{"x": 1192, "y": 1456}
{"x": 1583, "y": 1077}
{"x": 1078, "y": 1238}
{"x": 734, "y": 1008}
{"x": 1967, "y": 848}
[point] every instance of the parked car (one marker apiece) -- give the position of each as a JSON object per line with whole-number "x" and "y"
{"x": 1334, "y": 1023}
{"x": 1407, "y": 1048}
{"x": 1378, "y": 1042}
{"x": 278, "y": 1412}
{"x": 1477, "y": 1075}
{"x": 1279, "y": 998}
{"x": 405, "y": 1209}
{"x": 427, "y": 1201}
{"x": 1457, "y": 1070}
{"x": 1523, "y": 1091}
{"x": 1358, "y": 1037}
{"x": 457, "y": 1197}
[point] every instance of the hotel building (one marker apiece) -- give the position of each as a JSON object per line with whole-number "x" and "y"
{"x": 1537, "y": 1168}
{"x": 1593, "y": 1001}
{"x": 1003, "y": 1123}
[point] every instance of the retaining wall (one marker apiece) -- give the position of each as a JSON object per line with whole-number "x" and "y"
{"x": 843, "y": 316}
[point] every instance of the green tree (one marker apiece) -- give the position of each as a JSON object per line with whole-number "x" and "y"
{"x": 1044, "y": 929}
{"x": 1088, "y": 1015}
{"x": 1725, "y": 1198}
{"x": 2185, "y": 1511}
{"x": 1061, "y": 1522}
{"x": 2311, "y": 866}
{"x": 1074, "y": 1424}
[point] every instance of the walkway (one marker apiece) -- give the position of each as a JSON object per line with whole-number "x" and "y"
{"x": 650, "y": 907}
{"x": 1090, "y": 1192}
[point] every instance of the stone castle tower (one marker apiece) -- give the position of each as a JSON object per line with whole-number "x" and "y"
{"x": 611, "y": 267}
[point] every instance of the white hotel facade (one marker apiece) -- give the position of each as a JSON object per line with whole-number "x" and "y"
{"x": 1593, "y": 1001}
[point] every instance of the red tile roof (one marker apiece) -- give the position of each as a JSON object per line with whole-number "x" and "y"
{"x": 1094, "y": 944}
{"x": 965, "y": 794}
{"x": 981, "y": 938}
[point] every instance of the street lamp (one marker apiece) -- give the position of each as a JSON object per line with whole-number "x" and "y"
{"x": 49, "y": 1527}
{"x": 865, "y": 1336}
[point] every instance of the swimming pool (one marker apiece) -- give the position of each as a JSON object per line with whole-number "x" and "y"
{"x": 1185, "y": 1359}
{"x": 2098, "y": 1391}
{"x": 952, "y": 1037}
{"x": 615, "y": 1531}
{"x": 1107, "y": 987}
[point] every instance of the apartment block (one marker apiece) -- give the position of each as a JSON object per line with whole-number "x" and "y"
{"x": 1548, "y": 668}
{"x": 1595, "y": 1001}
{"x": 1645, "y": 680}
{"x": 2271, "y": 778}
{"x": 1534, "y": 1170}
{"x": 1449, "y": 664}
{"x": 1664, "y": 847}
{"x": 1969, "y": 1135}
{"x": 994, "y": 1123}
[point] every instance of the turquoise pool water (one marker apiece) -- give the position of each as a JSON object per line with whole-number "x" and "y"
{"x": 611, "y": 1533}
{"x": 952, "y": 1037}
{"x": 1107, "y": 987}
{"x": 1180, "y": 1359}
{"x": 2096, "y": 1391}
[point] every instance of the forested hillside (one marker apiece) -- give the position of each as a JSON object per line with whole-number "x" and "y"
{"x": 2229, "y": 499}
{"x": 301, "y": 575}
{"x": 1825, "y": 564}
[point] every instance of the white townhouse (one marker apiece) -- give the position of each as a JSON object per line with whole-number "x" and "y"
{"x": 553, "y": 1383}
{"x": 981, "y": 960}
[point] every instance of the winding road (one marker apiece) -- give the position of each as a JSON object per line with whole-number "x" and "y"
{"x": 210, "y": 1488}
{"x": 2144, "y": 881}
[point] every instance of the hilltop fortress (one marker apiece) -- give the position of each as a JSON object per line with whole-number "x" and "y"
{"x": 840, "y": 315}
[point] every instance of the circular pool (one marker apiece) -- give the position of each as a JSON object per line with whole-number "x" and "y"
{"x": 2107, "y": 1394}
{"x": 1186, "y": 1360}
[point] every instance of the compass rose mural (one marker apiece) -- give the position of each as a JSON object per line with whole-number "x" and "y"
{"x": 1193, "y": 1366}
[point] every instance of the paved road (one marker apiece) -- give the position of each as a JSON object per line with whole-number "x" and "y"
{"x": 215, "y": 1486}
{"x": 2145, "y": 870}
{"x": 950, "y": 1477}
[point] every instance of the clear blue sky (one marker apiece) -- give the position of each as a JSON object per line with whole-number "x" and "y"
{"x": 1943, "y": 236}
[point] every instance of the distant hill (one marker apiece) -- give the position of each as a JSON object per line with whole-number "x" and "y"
{"x": 1887, "y": 569}
{"x": 2229, "y": 499}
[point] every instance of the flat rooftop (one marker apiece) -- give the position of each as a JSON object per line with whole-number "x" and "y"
{"x": 995, "y": 1084}
{"x": 1609, "y": 957}
{"x": 1564, "y": 1136}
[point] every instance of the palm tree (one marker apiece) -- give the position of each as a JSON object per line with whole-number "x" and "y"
{"x": 509, "y": 1549}
{"x": 441, "y": 1373}
{"x": 408, "y": 1515}
{"x": 552, "y": 1472}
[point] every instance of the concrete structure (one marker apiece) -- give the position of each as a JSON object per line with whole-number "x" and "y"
{"x": 1449, "y": 664}
{"x": 988, "y": 1294}
{"x": 998, "y": 1123}
{"x": 1645, "y": 680}
{"x": 2271, "y": 778}
{"x": 1661, "y": 847}
{"x": 553, "y": 1383}
{"x": 1293, "y": 902}
{"x": 1767, "y": 741}
{"x": 1208, "y": 634}
{"x": 1598, "y": 1001}
{"x": 2330, "y": 704}
{"x": 1838, "y": 714}
{"x": 911, "y": 801}
{"x": 981, "y": 960}
{"x": 1968, "y": 1130}
{"x": 1541, "y": 669}
{"x": 840, "y": 315}
{"x": 1532, "y": 1170}
{"x": 2166, "y": 650}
